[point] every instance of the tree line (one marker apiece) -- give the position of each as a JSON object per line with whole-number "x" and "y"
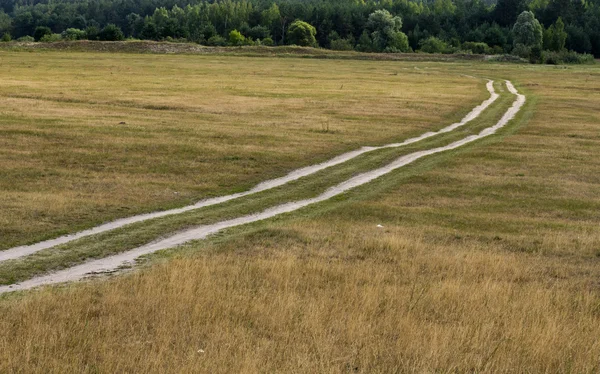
{"x": 438, "y": 26}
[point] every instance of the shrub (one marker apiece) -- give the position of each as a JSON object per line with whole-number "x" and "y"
{"x": 92, "y": 32}
{"x": 536, "y": 54}
{"x": 49, "y": 38}
{"x": 566, "y": 57}
{"x": 6, "y": 37}
{"x": 497, "y": 50}
{"x": 111, "y": 32}
{"x": 477, "y": 48}
{"x": 397, "y": 42}
{"x": 40, "y": 32}
{"x": 342, "y": 45}
{"x": 434, "y": 45}
{"x": 216, "y": 41}
{"x": 73, "y": 34}
{"x": 236, "y": 38}
{"x": 26, "y": 39}
{"x": 521, "y": 50}
{"x": 570, "y": 57}
{"x": 267, "y": 42}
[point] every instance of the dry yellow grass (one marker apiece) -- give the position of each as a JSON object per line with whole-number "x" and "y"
{"x": 318, "y": 298}
{"x": 488, "y": 261}
{"x": 194, "y": 126}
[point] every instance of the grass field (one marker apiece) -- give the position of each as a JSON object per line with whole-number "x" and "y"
{"x": 86, "y": 138}
{"x": 488, "y": 259}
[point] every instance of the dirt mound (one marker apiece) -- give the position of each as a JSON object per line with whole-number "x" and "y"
{"x": 145, "y": 46}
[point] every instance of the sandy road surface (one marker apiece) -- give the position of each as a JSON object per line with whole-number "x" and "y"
{"x": 127, "y": 258}
{"x": 21, "y": 251}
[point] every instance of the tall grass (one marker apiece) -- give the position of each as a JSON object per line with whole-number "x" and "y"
{"x": 324, "y": 298}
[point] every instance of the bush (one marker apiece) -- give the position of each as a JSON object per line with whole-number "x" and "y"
{"x": 216, "y": 41}
{"x": 397, "y": 42}
{"x": 92, "y": 32}
{"x": 6, "y": 37}
{"x": 434, "y": 45}
{"x": 40, "y": 32}
{"x": 566, "y": 57}
{"x": 536, "y": 54}
{"x": 49, "y": 38}
{"x": 570, "y": 57}
{"x": 73, "y": 34}
{"x": 521, "y": 50}
{"x": 341, "y": 45}
{"x": 497, "y": 50}
{"x": 26, "y": 39}
{"x": 477, "y": 48}
{"x": 111, "y": 32}
{"x": 267, "y": 42}
{"x": 236, "y": 38}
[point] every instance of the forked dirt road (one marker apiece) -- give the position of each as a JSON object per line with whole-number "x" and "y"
{"x": 127, "y": 258}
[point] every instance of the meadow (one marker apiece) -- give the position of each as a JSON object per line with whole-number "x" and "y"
{"x": 481, "y": 259}
{"x": 87, "y": 138}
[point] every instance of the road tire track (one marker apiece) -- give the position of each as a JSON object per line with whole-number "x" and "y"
{"x": 25, "y": 250}
{"x": 112, "y": 263}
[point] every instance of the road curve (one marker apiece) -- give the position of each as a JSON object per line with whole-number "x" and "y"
{"x": 22, "y": 251}
{"x": 127, "y": 258}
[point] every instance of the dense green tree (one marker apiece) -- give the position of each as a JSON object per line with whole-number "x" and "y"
{"x": 40, "y": 32}
{"x": 79, "y": 22}
{"x": 365, "y": 43}
{"x": 135, "y": 25}
{"x": 555, "y": 36}
{"x": 339, "y": 23}
{"x": 506, "y": 11}
{"x": 578, "y": 39}
{"x": 111, "y": 32}
{"x": 92, "y": 32}
{"x": 5, "y": 23}
{"x": 384, "y": 31}
{"x": 495, "y": 36}
{"x": 528, "y": 31}
{"x": 149, "y": 30}
{"x": 272, "y": 19}
{"x": 302, "y": 33}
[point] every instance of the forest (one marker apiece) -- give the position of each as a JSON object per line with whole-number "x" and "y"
{"x": 534, "y": 29}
